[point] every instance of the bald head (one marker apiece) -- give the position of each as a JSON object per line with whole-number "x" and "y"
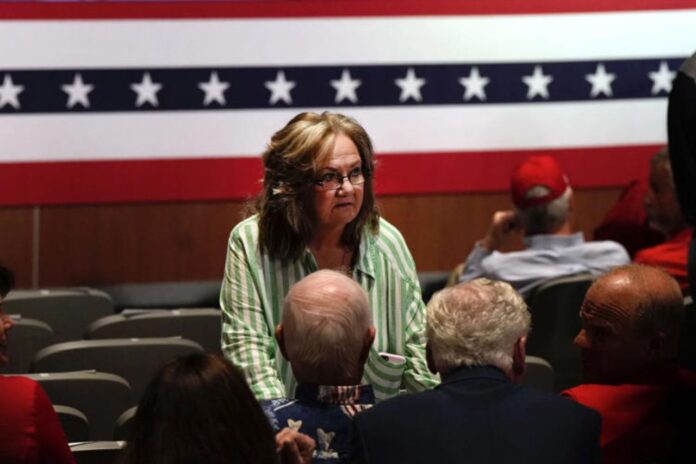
{"x": 325, "y": 328}
{"x": 631, "y": 321}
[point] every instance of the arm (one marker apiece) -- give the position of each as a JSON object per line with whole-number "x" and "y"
{"x": 504, "y": 226}
{"x": 51, "y": 441}
{"x": 247, "y": 339}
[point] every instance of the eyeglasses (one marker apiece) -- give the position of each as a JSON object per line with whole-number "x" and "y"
{"x": 334, "y": 181}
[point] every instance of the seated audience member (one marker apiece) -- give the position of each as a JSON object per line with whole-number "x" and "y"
{"x": 664, "y": 215}
{"x": 476, "y": 334}
{"x": 199, "y": 408}
{"x": 631, "y": 321}
{"x": 325, "y": 334}
{"x": 543, "y": 212}
{"x": 681, "y": 120}
{"x": 627, "y": 223}
{"x": 30, "y": 432}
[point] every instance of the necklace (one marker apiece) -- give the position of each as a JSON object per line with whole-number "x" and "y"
{"x": 346, "y": 266}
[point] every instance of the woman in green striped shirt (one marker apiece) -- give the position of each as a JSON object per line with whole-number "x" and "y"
{"x": 317, "y": 211}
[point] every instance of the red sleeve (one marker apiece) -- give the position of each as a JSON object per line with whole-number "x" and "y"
{"x": 53, "y": 446}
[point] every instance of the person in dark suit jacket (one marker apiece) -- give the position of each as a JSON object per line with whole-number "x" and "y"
{"x": 476, "y": 334}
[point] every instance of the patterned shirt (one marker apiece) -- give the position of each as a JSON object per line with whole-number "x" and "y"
{"x": 324, "y": 413}
{"x": 255, "y": 285}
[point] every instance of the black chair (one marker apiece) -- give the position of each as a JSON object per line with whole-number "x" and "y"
{"x": 27, "y": 337}
{"x": 100, "y": 396}
{"x": 97, "y": 452}
{"x": 431, "y": 282}
{"x": 203, "y": 326}
{"x": 555, "y": 311}
{"x": 75, "y": 424}
{"x": 136, "y": 360}
{"x": 124, "y": 424}
{"x": 68, "y": 311}
{"x": 191, "y": 294}
{"x": 538, "y": 374}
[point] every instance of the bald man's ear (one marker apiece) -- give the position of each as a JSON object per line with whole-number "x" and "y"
{"x": 280, "y": 338}
{"x": 657, "y": 344}
{"x": 369, "y": 340}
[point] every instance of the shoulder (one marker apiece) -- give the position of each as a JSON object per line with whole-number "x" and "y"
{"x": 245, "y": 231}
{"x": 391, "y": 412}
{"x": 607, "y": 249}
{"x": 18, "y": 385}
{"x": 391, "y": 247}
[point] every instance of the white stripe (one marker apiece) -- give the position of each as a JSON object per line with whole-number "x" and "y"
{"x": 416, "y": 129}
{"x": 425, "y": 39}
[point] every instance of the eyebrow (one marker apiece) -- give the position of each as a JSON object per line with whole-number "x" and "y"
{"x": 334, "y": 169}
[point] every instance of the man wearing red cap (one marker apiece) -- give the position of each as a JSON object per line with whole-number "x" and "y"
{"x": 543, "y": 203}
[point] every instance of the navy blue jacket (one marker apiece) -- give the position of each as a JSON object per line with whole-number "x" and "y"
{"x": 478, "y": 416}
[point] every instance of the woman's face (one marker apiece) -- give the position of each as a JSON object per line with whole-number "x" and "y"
{"x": 337, "y": 208}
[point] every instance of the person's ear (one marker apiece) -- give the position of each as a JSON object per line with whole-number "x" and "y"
{"x": 280, "y": 338}
{"x": 430, "y": 361}
{"x": 369, "y": 339}
{"x": 519, "y": 354}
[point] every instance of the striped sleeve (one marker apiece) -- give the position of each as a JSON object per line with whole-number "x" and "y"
{"x": 247, "y": 339}
{"x": 409, "y": 304}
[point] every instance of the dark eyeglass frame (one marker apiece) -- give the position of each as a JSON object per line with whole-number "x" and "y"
{"x": 341, "y": 179}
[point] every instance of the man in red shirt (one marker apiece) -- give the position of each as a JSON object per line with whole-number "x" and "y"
{"x": 631, "y": 322}
{"x": 665, "y": 216}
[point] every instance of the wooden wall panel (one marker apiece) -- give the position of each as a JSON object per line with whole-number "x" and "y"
{"x": 101, "y": 245}
{"x": 16, "y": 237}
{"x": 135, "y": 243}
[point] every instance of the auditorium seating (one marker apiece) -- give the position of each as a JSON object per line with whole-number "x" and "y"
{"x": 100, "y": 396}
{"x": 555, "y": 309}
{"x": 74, "y": 422}
{"x": 538, "y": 374}
{"x": 203, "y": 326}
{"x": 191, "y": 294}
{"x": 97, "y": 452}
{"x": 124, "y": 424}
{"x": 431, "y": 282}
{"x": 67, "y": 311}
{"x": 27, "y": 337}
{"x": 687, "y": 339}
{"x": 136, "y": 360}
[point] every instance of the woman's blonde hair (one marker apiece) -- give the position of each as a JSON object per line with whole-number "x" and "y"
{"x": 291, "y": 164}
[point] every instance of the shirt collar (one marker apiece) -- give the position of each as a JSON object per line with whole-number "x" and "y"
{"x": 335, "y": 394}
{"x": 553, "y": 241}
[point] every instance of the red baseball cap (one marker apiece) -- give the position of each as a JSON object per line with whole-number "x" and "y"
{"x": 541, "y": 170}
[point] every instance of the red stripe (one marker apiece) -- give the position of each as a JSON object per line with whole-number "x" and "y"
{"x": 238, "y": 178}
{"x": 320, "y": 8}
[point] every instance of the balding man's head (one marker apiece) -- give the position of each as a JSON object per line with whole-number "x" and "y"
{"x": 326, "y": 329}
{"x": 631, "y": 321}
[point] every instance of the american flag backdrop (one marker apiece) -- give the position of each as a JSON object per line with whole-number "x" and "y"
{"x": 130, "y": 102}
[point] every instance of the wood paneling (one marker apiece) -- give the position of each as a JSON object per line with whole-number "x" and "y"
{"x": 16, "y": 237}
{"x": 109, "y": 244}
{"x": 135, "y": 243}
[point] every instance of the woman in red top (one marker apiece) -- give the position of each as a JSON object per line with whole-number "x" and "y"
{"x": 29, "y": 428}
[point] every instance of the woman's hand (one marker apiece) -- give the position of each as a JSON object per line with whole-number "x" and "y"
{"x": 294, "y": 447}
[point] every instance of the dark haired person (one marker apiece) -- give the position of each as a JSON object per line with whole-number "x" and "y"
{"x": 199, "y": 409}
{"x": 30, "y": 432}
{"x": 317, "y": 211}
{"x": 681, "y": 120}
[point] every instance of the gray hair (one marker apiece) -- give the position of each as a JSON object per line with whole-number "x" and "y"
{"x": 546, "y": 218}
{"x": 325, "y": 318}
{"x": 476, "y": 323}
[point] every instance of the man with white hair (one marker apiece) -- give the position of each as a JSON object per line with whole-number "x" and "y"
{"x": 543, "y": 212}
{"x": 325, "y": 334}
{"x": 476, "y": 334}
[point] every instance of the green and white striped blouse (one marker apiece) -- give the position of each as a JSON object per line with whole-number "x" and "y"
{"x": 254, "y": 287}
